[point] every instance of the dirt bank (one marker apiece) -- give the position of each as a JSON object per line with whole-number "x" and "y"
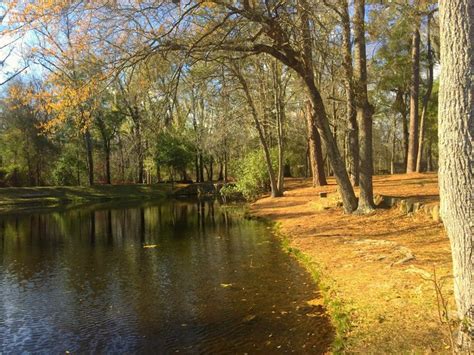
{"x": 382, "y": 266}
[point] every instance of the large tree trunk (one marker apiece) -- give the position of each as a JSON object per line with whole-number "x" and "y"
{"x": 353, "y": 130}
{"x": 340, "y": 173}
{"x": 315, "y": 149}
{"x": 426, "y": 98}
{"x": 414, "y": 93}
{"x": 456, "y": 130}
{"x": 90, "y": 156}
{"x": 364, "y": 111}
{"x": 320, "y": 118}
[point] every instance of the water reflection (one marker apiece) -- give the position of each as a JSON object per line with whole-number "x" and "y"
{"x": 82, "y": 281}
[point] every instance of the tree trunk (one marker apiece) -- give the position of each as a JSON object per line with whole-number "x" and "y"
{"x": 90, "y": 156}
{"x": 307, "y": 158}
{"x": 196, "y": 166}
{"x": 414, "y": 92}
{"x": 271, "y": 173}
{"x": 201, "y": 167}
{"x": 364, "y": 111}
{"x": 426, "y": 98}
{"x": 353, "y": 134}
{"x": 221, "y": 171}
{"x": 122, "y": 157}
{"x": 456, "y": 130}
{"x": 211, "y": 169}
{"x": 315, "y": 149}
{"x": 394, "y": 138}
{"x": 400, "y": 106}
{"x": 225, "y": 167}
{"x": 345, "y": 187}
{"x": 108, "y": 177}
{"x": 429, "y": 158}
{"x": 139, "y": 143}
{"x": 306, "y": 71}
{"x": 280, "y": 118}
{"x": 106, "y": 147}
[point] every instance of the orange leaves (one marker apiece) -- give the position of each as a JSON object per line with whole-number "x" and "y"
{"x": 208, "y": 4}
{"x": 72, "y": 100}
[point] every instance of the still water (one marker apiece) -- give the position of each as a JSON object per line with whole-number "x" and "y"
{"x": 212, "y": 282}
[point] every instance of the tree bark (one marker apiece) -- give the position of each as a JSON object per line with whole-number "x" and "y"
{"x": 220, "y": 177}
{"x": 456, "y": 131}
{"x": 345, "y": 187}
{"x": 392, "y": 154}
{"x": 225, "y": 167}
{"x": 90, "y": 156}
{"x": 426, "y": 98}
{"x": 105, "y": 146}
{"x": 429, "y": 158}
{"x": 196, "y": 166}
{"x": 353, "y": 134}
{"x": 315, "y": 149}
{"x": 400, "y": 106}
{"x": 280, "y": 118}
{"x": 414, "y": 93}
{"x": 201, "y": 167}
{"x": 122, "y": 157}
{"x": 364, "y": 111}
{"x": 138, "y": 136}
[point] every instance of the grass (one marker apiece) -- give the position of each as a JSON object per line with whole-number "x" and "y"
{"x": 18, "y": 198}
{"x": 337, "y": 309}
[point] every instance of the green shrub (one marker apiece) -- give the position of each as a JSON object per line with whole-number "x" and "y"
{"x": 173, "y": 152}
{"x": 251, "y": 174}
{"x": 66, "y": 168}
{"x": 230, "y": 192}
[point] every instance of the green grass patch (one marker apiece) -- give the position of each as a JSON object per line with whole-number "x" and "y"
{"x": 338, "y": 310}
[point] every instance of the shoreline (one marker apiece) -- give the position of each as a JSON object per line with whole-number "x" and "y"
{"x": 377, "y": 273}
{"x": 24, "y": 199}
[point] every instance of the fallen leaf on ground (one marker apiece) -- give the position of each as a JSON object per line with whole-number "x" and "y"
{"x": 315, "y": 302}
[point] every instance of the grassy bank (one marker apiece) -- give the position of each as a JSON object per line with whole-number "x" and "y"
{"x": 377, "y": 273}
{"x": 337, "y": 308}
{"x": 21, "y": 198}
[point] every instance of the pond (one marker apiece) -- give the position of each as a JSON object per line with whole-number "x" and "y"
{"x": 166, "y": 276}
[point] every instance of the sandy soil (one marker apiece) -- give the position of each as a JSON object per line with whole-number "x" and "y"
{"x": 381, "y": 265}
